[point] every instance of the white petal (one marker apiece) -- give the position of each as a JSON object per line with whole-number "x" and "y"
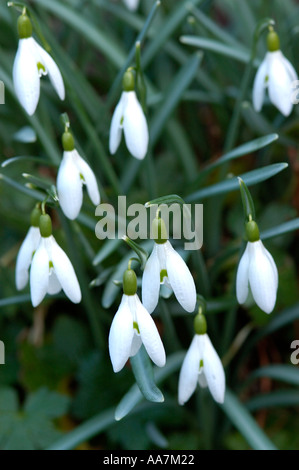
{"x": 259, "y": 86}
{"x": 54, "y": 285}
{"x": 135, "y": 127}
{"x": 151, "y": 281}
{"x": 202, "y": 379}
{"x": 280, "y": 83}
{"x": 189, "y": 372}
{"x": 132, "y": 4}
{"x": 290, "y": 69}
{"x": 24, "y": 257}
{"x": 274, "y": 268}
{"x": 136, "y": 343}
{"x": 53, "y": 71}
{"x": 149, "y": 334}
{"x": 39, "y": 273}
{"x": 121, "y": 335}
{"x": 116, "y": 125}
{"x": 69, "y": 186}
{"x": 242, "y": 277}
{"x": 180, "y": 278}
{"x": 262, "y": 277}
{"x": 25, "y": 76}
{"x": 65, "y": 272}
{"x": 213, "y": 370}
{"x": 89, "y": 179}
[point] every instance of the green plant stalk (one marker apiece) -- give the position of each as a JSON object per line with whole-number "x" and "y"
{"x": 92, "y": 310}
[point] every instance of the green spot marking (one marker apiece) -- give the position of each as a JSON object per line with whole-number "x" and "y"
{"x": 163, "y": 273}
{"x": 135, "y": 325}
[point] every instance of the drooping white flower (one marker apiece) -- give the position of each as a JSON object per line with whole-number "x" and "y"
{"x": 258, "y": 271}
{"x": 72, "y": 174}
{"x": 165, "y": 265}
{"x": 31, "y": 62}
{"x": 129, "y": 117}
{"x": 133, "y": 325}
{"x": 51, "y": 269}
{"x": 276, "y": 74}
{"x": 132, "y": 4}
{"x": 202, "y": 366}
{"x": 25, "y": 255}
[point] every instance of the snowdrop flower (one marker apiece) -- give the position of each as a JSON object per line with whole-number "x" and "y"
{"x": 72, "y": 174}
{"x": 258, "y": 271}
{"x": 27, "y": 250}
{"x": 51, "y": 269}
{"x": 31, "y": 62}
{"x": 277, "y": 74}
{"x": 132, "y": 326}
{"x": 165, "y": 265}
{"x": 132, "y": 4}
{"x": 128, "y": 116}
{"x": 201, "y": 366}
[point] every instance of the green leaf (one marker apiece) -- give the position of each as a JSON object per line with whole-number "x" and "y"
{"x": 84, "y": 27}
{"x": 173, "y": 96}
{"x": 281, "y": 229}
{"x": 242, "y": 150}
{"x": 248, "y": 206}
{"x": 279, "y": 398}
{"x": 32, "y": 426}
{"x": 245, "y": 423}
{"x": 212, "y": 45}
{"x": 23, "y": 189}
{"x": 144, "y": 376}
{"x": 284, "y": 373}
{"x": 250, "y": 179}
{"x": 134, "y": 395}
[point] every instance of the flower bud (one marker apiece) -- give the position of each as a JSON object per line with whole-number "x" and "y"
{"x": 128, "y": 81}
{"x": 45, "y": 225}
{"x": 24, "y": 27}
{"x": 273, "y": 42}
{"x": 200, "y": 324}
{"x": 68, "y": 142}
{"x": 35, "y": 216}
{"x": 129, "y": 282}
{"x": 252, "y": 231}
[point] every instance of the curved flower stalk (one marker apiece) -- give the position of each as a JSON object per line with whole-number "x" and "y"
{"x": 31, "y": 62}
{"x": 276, "y": 74}
{"x": 165, "y": 265}
{"x": 72, "y": 174}
{"x": 129, "y": 117}
{"x": 27, "y": 250}
{"x": 132, "y": 325}
{"x": 132, "y": 4}
{"x": 51, "y": 269}
{"x": 202, "y": 366}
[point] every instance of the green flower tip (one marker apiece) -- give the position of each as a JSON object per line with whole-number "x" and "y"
{"x": 68, "y": 142}
{"x": 45, "y": 225}
{"x": 24, "y": 27}
{"x": 252, "y": 231}
{"x": 128, "y": 81}
{"x": 273, "y": 42}
{"x": 159, "y": 231}
{"x": 35, "y": 215}
{"x": 129, "y": 282}
{"x": 200, "y": 324}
